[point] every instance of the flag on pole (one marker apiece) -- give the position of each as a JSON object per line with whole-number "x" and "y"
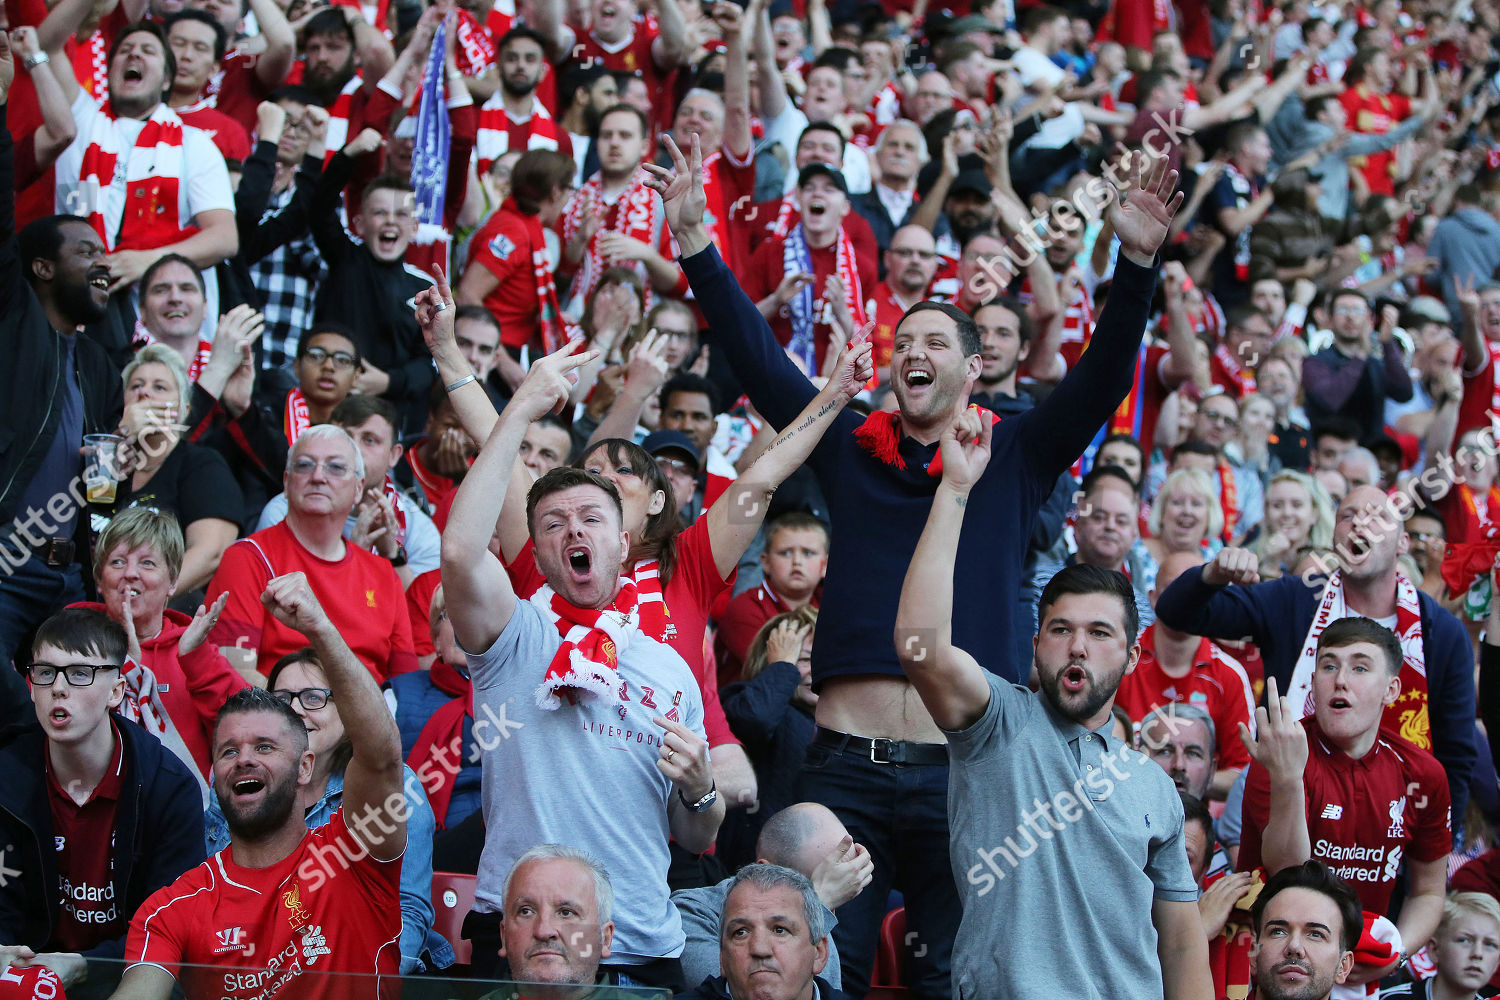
{"x": 429, "y": 156}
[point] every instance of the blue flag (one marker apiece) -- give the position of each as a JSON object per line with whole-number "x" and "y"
{"x": 429, "y": 155}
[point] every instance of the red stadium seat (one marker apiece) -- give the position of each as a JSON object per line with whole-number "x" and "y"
{"x": 890, "y": 959}
{"x": 452, "y": 899}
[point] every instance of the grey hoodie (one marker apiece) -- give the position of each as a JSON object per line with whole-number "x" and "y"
{"x": 1467, "y": 243}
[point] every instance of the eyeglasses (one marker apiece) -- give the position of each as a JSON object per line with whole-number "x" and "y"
{"x": 677, "y": 465}
{"x": 342, "y": 360}
{"x": 1222, "y": 419}
{"x": 335, "y": 468}
{"x": 1359, "y": 310}
{"x": 312, "y": 699}
{"x": 674, "y": 334}
{"x": 79, "y": 675}
{"x": 907, "y": 253}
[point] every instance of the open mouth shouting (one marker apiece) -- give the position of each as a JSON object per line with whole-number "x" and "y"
{"x": 59, "y": 717}
{"x": 387, "y": 241}
{"x": 580, "y": 562}
{"x": 918, "y": 378}
{"x": 1074, "y": 679}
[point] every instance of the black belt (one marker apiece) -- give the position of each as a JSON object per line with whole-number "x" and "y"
{"x": 55, "y": 552}
{"x": 883, "y": 751}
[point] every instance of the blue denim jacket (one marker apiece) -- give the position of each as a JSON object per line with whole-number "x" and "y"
{"x": 417, "y": 935}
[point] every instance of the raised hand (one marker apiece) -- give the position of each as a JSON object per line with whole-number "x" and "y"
{"x": 291, "y": 600}
{"x": 368, "y": 141}
{"x": 1280, "y": 743}
{"x": 1232, "y": 565}
{"x": 7, "y": 65}
{"x": 203, "y": 623}
{"x": 843, "y": 873}
{"x": 550, "y": 381}
{"x": 681, "y": 190}
{"x": 1143, "y": 213}
{"x": 435, "y": 315}
{"x": 1218, "y": 900}
{"x": 784, "y": 644}
{"x": 270, "y": 121}
{"x": 856, "y": 365}
{"x": 965, "y": 449}
{"x": 1465, "y": 290}
{"x": 791, "y": 283}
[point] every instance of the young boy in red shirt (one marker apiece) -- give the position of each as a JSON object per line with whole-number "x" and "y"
{"x": 792, "y": 567}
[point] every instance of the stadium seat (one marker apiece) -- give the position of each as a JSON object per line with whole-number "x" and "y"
{"x": 452, "y": 899}
{"x": 890, "y": 958}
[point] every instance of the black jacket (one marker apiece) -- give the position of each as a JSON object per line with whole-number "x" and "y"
{"x": 31, "y": 376}
{"x": 718, "y": 989}
{"x": 158, "y": 832}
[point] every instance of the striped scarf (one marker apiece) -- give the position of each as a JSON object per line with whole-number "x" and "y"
{"x": 297, "y": 418}
{"x": 632, "y": 214}
{"x": 499, "y": 133}
{"x": 805, "y": 315}
{"x": 338, "y": 118}
{"x": 588, "y": 661}
{"x": 554, "y": 329}
{"x": 134, "y": 203}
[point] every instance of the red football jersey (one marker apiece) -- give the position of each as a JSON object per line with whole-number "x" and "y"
{"x": 1215, "y": 683}
{"x": 89, "y": 914}
{"x": 247, "y": 933}
{"x": 229, "y": 135}
{"x": 361, "y": 594}
{"x": 503, "y": 246}
{"x": 1363, "y": 816}
{"x": 1478, "y": 404}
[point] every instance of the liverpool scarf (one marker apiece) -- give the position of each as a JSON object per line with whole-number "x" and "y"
{"x": 632, "y": 214}
{"x": 1407, "y": 716}
{"x": 437, "y": 755}
{"x": 136, "y": 189}
{"x": 796, "y": 257}
{"x": 880, "y": 435}
{"x": 587, "y": 663}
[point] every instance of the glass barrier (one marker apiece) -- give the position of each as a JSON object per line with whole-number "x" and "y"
{"x": 244, "y": 984}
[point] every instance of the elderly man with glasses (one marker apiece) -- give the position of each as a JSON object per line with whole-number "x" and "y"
{"x": 325, "y": 476}
{"x": 95, "y": 814}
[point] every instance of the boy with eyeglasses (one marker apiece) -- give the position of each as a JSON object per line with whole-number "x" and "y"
{"x": 360, "y": 590}
{"x": 95, "y": 814}
{"x": 326, "y": 367}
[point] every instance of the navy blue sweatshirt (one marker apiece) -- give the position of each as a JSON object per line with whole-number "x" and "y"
{"x": 878, "y": 511}
{"x": 1276, "y": 615}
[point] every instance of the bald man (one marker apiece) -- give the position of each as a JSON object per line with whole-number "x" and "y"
{"x": 806, "y": 838}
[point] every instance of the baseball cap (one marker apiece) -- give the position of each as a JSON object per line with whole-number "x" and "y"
{"x": 812, "y": 170}
{"x": 971, "y": 180}
{"x": 658, "y": 442}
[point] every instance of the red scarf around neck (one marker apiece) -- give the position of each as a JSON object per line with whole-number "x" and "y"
{"x": 587, "y": 663}
{"x": 438, "y": 771}
{"x": 549, "y": 314}
{"x": 880, "y": 435}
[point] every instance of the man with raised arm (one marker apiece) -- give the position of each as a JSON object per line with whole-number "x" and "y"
{"x": 1046, "y": 803}
{"x": 282, "y": 900}
{"x": 587, "y": 700}
{"x": 878, "y": 750}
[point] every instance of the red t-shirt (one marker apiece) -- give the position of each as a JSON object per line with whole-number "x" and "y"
{"x": 229, "y": 135}
{"x": 1214, "y": 683}
{"x": 1363, "y": 815}
{"x": 328, "y": 907}
{"x": 361, "y": 594}
{"x": 767, "y": 268}
{"x": 237, "y": 89}
{"x": 1477, "y": 405}
{"x": 694, "y": 585}
{"x": 1375, "y": 114}
{"x": 419, "y": 610}
{"x": 738, "y": 625}
{"x": 634, "y": 57}
{"x": 84, "y": 839}
{"x": 503, "y": 246}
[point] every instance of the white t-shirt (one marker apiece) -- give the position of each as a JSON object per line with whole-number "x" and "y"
{"x": 1034, "y": 67}
{"x": 205, "y": 179}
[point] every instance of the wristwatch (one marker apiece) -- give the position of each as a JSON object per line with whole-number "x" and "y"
{"x": 399, "y": 559}
{"x": 703, "y": 804}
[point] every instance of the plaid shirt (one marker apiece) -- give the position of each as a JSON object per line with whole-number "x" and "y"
{"x": 288, "y": 278}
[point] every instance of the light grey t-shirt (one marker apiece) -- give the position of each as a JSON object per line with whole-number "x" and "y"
{"x": 583, "y": 775}
{"x": 1055, "y": 826}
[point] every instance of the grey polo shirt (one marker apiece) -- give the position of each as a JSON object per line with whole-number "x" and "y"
{"x": 1065, "y": 832}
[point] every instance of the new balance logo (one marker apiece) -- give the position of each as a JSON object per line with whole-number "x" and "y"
{"x": 1332, "y": 812}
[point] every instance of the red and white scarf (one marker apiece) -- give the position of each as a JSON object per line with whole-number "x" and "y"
{"x": 297, "y": 417}
{"x": 632, "y": 214}
{"x": 719, "y": 208}
{"x": 1494, "y": 349}
{"x": 148, "y": 176}
{"x": 880, "y": 435}
{"x": 499, "y": 133}
{"x": 588, "y": 661}
{"x": 805, "y": 311}
{"x": 143, "y": 704}
{"x": 1242, "y": 377}
{"x": 1409, "y": 722}
{"x": 338, "y": 118}
{"x": 394, "y": 496}
{"x": 141, "y": 337}
{"x": 554, "y": 330}
{"x": 787, "y": 216}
